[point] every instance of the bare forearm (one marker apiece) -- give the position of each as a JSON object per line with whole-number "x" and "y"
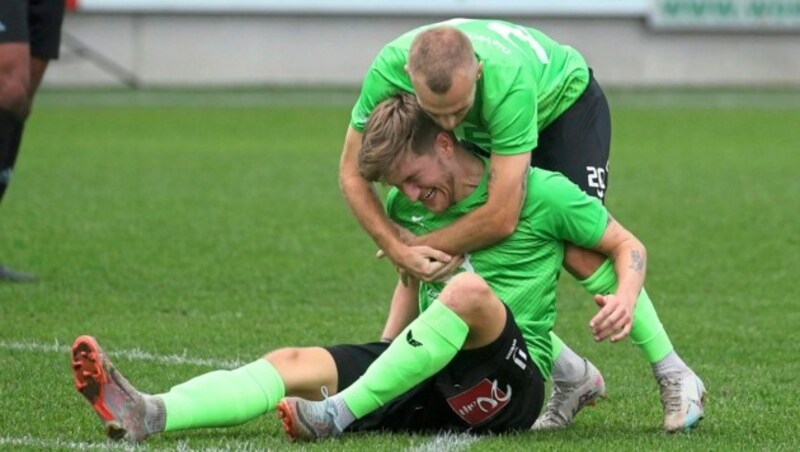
{"x": 630, "y": 265}
{"x": 615, "y": 318}
{"x": 368, "y": 210}
{"x": 629, "y": 257}
{"x": 404, "y": 309}
{"x": 361, "y": 197}
{"x": 478, "y": 229}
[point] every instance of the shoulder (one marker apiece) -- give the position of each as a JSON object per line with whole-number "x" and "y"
{"x": 550, "y": 188}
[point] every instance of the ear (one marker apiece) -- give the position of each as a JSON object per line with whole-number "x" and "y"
{"x": 444, "y": 144}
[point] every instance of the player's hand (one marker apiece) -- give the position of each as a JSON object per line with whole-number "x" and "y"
{"x": 404, "y": 234}
{"x": 440, "y": 271}
{"x": 421, "y": 262}
{"x": 614, "y": 319}
{"x": 448, "y": 270}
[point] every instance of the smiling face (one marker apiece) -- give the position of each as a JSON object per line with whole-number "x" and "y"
{"x": 428, "y": 178}
{"x": 403, "y": 147}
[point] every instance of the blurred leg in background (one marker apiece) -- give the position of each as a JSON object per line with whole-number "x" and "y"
{"x": 30, "y": 32}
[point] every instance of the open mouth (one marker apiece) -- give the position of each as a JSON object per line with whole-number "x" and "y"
{"x": 429, "y": 195}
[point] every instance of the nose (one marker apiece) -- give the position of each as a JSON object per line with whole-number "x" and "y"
{"x": 411, "y": 191}
{"x": 448, "y": 122}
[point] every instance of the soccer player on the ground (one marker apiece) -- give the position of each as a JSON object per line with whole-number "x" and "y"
{"x": 486, "y": 358}
{"x": 30, "y": 35}
{"x": 527, "y": 100}
{"x": 436, "y": 182}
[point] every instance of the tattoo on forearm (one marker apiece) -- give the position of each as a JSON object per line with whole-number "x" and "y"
{"x": 637, "y": 261}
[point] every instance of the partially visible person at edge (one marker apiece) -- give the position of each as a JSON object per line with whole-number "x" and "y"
{"x": 30, "y": 36}
{"x": 524, "y": 99}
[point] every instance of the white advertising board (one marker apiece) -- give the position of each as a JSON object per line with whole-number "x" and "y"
{"x": 444, "y": 7}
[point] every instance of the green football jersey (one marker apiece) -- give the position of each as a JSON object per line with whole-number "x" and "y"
{"x": 523, "y": 269}
{"x": 528, "y": 80}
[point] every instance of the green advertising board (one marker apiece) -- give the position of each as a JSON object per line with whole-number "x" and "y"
{"x": 726, "y": 14}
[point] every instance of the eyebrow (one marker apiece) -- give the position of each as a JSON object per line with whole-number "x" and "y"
{"x": 399, "y": 182}
{"x": 410, "y": 177}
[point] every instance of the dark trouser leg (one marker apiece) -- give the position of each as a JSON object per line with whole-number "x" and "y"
{"x": 10, "y": 137}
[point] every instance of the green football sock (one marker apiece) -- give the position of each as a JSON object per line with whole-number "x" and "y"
{"x": 647, "y": 332}
{"x": 224, "y": 397}
{"x": 421, "y": 350}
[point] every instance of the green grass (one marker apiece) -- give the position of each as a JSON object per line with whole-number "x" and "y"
{"x": 210, "y": 225}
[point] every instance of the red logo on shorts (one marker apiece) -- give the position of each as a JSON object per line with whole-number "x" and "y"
{"x": 480, "y": 402}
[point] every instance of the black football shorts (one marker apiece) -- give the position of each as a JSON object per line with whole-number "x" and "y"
{"x": 577, "y": 144}
{"x": 496, "y": 388}
{"x": 37, "y": 22}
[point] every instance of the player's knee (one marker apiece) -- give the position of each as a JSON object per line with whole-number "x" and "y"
{"x": 14, "y": 93}
{"x": 288, "y": 355}
{"x": 466, "y": 294}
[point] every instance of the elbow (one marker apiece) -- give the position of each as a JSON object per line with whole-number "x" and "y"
{"x": 638, "y": 245}
{"x": 501, "y": 218}
{"x": 345, "y": 174}
{"x": 504, "y": 226}
{"x": 506, "y": 229}
{"x": 343, "y": 181}
{"x": 350, "y": 181}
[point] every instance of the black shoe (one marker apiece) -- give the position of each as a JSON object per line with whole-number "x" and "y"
{"x": 6, "y": 274}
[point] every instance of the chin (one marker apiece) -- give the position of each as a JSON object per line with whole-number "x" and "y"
{"x": 437, "y": 209}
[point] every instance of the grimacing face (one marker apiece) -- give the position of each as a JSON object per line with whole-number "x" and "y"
{"x": 450, "y": 108}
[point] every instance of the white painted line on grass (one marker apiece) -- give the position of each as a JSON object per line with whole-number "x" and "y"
{"x": 133, "y": 355}
{"x": 27, "y": 441}
{"x": 39, "y": 443}
{"x": 449, "y": 442}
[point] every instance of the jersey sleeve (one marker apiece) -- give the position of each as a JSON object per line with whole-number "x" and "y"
{"x": 575, "y": 216}
{"x": 385, "y": 78}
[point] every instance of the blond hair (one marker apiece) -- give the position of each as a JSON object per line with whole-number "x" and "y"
{"x": 437, "y": 53}
{"x": 396, "y": 127}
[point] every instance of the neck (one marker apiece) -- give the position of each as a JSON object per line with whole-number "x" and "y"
{"x": 470, "y": 173}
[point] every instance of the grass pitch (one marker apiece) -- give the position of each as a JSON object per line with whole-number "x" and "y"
{"x": 195, "y": 230}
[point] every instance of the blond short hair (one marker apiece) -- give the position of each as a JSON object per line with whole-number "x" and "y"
{"x": 437, "y": 53}
{"x": 397, "y": 126}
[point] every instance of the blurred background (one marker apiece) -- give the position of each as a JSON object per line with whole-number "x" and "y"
{"x": 196, "y": 222}
{"x": 629, "y": 43}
